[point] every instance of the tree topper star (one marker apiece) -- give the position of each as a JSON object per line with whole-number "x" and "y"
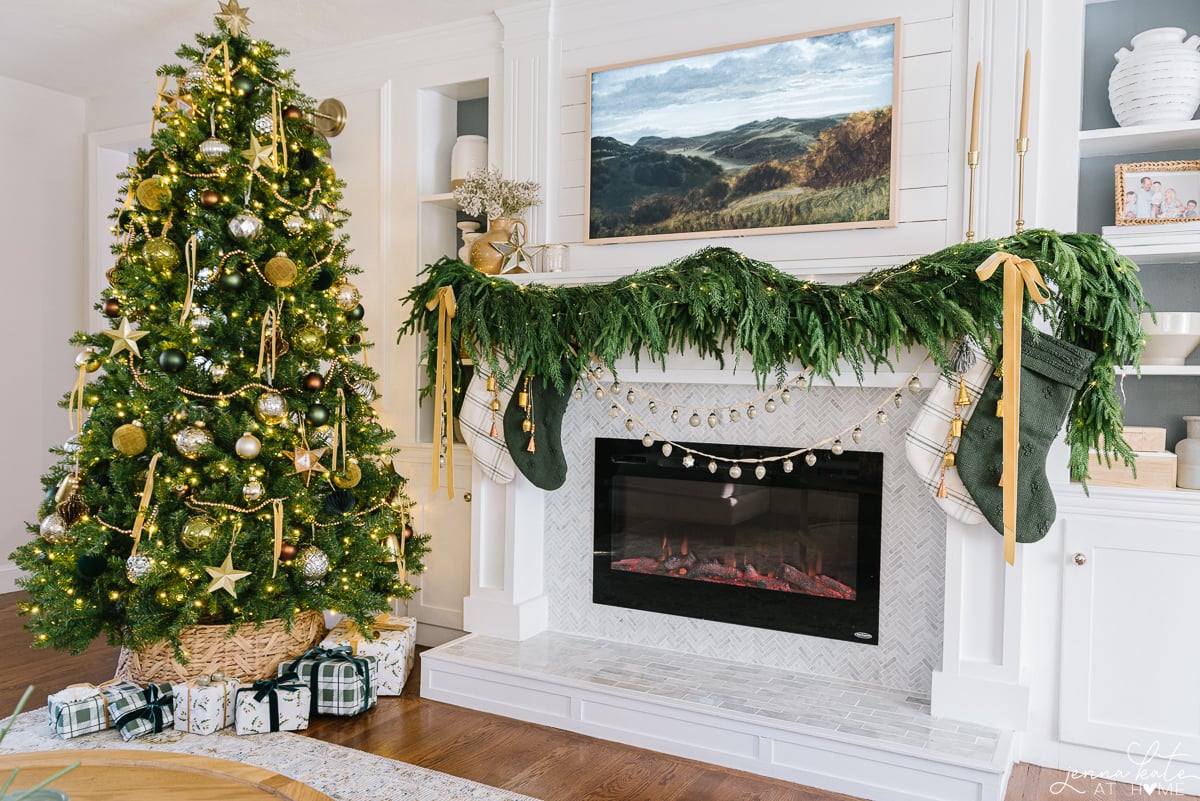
{"x": 225, "y": 577}
{"x": 125, "y": 337}
{"x": 259, "y": 153}
{"x": 234, "y": 17}
{"x": 307, "y": 461}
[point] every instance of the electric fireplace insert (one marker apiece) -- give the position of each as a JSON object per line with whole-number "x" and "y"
{"x": 793, "y": 551}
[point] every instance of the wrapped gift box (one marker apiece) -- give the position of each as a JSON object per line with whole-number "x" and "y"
{"x": 83, "y": 708}
{"x": 394, "y": 648}
{"x": 341, "y": 683}
{"x": 203, "y": 706}
{"x": 280, "y": 704}
{"x": 136, "y": 711}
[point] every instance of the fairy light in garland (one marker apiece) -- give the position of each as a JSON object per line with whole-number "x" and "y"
{"x": 834, "y": 441}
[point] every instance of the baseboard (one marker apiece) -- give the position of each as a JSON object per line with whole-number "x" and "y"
{"x": 9, "y": 573}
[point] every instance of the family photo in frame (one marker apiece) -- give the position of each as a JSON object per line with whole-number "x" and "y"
{"x": 1154, "y": 192}
{"x": 794, "y": 133}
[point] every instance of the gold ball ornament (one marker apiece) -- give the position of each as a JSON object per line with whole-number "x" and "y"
{"x": 280, "y": 271}
{"x": 198, "y": 532}
{"x": 88, "y": 360}
{"x": 270, "y": 408}
{"x": 346, "y": 296}
{"x": 160, "y": 253}
{"x": 309, "y": 339}
{"x": 348, "y": 477}
{"x": 153, "y": 193}
{"x": 129, "y": 439}
{"x": 248, "y": 446}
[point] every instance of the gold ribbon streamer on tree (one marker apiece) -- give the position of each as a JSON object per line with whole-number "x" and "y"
{"x": 444, "y": 386}
{"x": 267, "y": 344}
{"x": 162, "y": 90}
{"x": 277, "y": 512}
{"x": 189, "y": 257}
{"x": 144, "y": 503}
{"x": 1019, "y": 274}
{"x": 339, "y": 431}
{"x": 280, "y": 136}
{"x": 223, "y": 48}
{"x": 75, "y": 402}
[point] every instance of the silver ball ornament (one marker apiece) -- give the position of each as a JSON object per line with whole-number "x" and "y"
{"x": 760, "y": 472}
{"x": 712, "y": 467}
{"x": 735, "y": 471}
{"x": 247, "y": 446}
{"x": 810, "y": 458}
{"x": 189, "y": 441}
{"x": 322, "y": 435}
{"x": 666, "y": 449}
{"x": 365, "y": 390}
{"x": 319, "y": 213}
{"x": 218, "y": 372}
{"x": 53, "y": 528}
{"x": 788, "y": 466}
{"x": 293, "y": 223}
{"x": 263, "y": 124}
{"x": 137, "y": 566}
{"x": 837, "y": 448}
{"x": 314, "y": 564}
{"x": 694, "y": 420}
{"x": 245, "y": 227}
{"x": 647, "y": 440}
{"x": 769, "y": 405}
{"x": 253, "y": 490}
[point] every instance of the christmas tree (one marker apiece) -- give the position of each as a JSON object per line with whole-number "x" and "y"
{"x": 226, "y": 465}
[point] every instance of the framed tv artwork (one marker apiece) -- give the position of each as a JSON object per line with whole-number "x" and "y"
{"x": 1158, "y": 192}
{"x": 797, "y": 133}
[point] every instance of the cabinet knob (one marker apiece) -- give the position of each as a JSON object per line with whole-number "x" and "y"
{"x": 467, "y": 497}
{"x": 1079, "y": 559}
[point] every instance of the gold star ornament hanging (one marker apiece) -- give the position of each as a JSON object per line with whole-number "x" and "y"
{"x": 259, "y": 153}
{"x": 307, "y": 461}
{"x": 225, "y": 577}
{"x": 235, "y": 17}
{"x": 125, "y": 337}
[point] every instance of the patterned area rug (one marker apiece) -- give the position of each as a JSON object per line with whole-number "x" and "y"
{"x": 339, "y": 772}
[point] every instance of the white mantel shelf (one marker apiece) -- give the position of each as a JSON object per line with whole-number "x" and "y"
{"x": 839, "y": 735}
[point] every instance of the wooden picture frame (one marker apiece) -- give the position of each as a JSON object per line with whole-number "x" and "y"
{"x": 1158, "y": 192}
{"x": 796, "y": 133}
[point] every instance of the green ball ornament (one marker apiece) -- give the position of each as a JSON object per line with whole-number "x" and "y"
{"x": 172, "y": 360}
{"x": 233, "y": 281}
{"x": 323, "y": 279}
{"x": 198, "y": 532}
{"x": 309, "y": 339}
{"x": 357, "y": 313}
{"x": 91, "y": 565}
{"x": 160, "y": 253}
{"x": 317, "y": 414}
{"x": 243, "y": 84}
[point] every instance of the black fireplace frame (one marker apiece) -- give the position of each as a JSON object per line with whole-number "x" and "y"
{"x": 860, "y": 472}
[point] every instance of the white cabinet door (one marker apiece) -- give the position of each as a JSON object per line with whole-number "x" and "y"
{"x": 1131, "y": 635}
{"x": 438, "y": 606}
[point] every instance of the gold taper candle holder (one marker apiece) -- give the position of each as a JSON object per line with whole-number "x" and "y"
{"x": 972, "y": 164}
{"x": 1022, "y": 149}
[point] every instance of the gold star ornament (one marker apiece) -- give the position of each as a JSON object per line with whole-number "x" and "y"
{"x": 225, "y": 577}
{"x": 259, "y": 153}
{"x": 235, "y": 17}
{"x": 125, "y": 337}
{"x": 307, "y": 461}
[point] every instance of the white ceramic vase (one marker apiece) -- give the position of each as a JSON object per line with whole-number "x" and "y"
{"x": 1187, "y": 452}
{"x": 1158, "y": 81}
{"x": 470, "y": 152}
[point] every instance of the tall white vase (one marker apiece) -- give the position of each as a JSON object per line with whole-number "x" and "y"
{"x": 1187, "y": 452}
{"x": 470, "y": 152}
{"x": 1158, "y": 81}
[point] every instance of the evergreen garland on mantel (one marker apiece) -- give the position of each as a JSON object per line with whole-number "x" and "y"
{"x": 719, "y": 302}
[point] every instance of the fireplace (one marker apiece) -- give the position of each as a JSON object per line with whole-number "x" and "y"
{"x": 796, "y": 552}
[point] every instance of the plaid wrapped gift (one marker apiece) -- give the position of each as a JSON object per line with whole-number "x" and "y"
{"x": 203, "y": 706}
{"x": 280, "y": 704}
{"x": 137, "y": 711}
{"x": 83, "y": 708}
{"x": 341, "y": 683}
{"x": 394, "y": 648}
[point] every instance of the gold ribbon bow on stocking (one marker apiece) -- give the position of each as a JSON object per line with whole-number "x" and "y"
{"x": 444, "y": 386}
{"x": 1019, "y": 274}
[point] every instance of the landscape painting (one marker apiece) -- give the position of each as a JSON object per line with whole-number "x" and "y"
{"x": 789, "y": 134}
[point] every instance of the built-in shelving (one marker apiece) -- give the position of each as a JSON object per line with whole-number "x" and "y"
{"x": 444, "y": 199}
{"x": 1139, "y": 139}
{"x": 1155, "y": 253}
{"x": 1161, "y": 369}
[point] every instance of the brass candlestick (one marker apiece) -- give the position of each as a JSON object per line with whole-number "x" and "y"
{"x": 973, "y": 164}
{"x": 1022, "y": 149}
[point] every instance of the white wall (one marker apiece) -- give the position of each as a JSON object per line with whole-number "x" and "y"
{"x": 41, "y": 159}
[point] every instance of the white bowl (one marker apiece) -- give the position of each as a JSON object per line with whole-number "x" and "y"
{"x": 1172, "y": 338}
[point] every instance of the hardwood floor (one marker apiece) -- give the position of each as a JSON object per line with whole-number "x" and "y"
{"x": 535, "y": 760}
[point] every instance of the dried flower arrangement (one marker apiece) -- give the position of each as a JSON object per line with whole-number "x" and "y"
{"x": 486, "y": 191}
